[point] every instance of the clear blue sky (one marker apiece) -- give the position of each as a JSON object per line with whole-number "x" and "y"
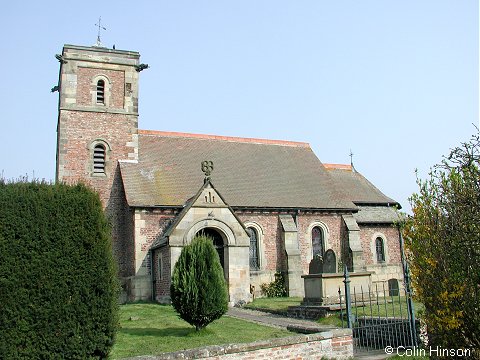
{"x": 395, "y": 81}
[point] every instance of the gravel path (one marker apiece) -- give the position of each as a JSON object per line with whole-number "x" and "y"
{"x": 277, "y": 321}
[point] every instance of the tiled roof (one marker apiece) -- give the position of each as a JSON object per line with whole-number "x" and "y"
{"x": 377, "y": 215}
{"x": 247, "y": 172}
{"x": 356, "y": 187}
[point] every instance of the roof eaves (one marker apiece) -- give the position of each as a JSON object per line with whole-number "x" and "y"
{"x": 392, "y": 204}
{"x": 179, "y": 207}
{"x": 163, "y": 241}
{"x": 372, "y": 222}
{"x": 295, "y": 209}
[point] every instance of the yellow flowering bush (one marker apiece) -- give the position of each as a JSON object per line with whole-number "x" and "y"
{"x": 442, "y": 240}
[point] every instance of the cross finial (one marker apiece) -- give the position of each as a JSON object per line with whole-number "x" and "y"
{"x": 351, "y": 160}
{"x": 207, "y": 168}
{"x": 100, "y": 27}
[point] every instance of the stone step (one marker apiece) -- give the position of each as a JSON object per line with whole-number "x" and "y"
{"x": 307, "y": 312}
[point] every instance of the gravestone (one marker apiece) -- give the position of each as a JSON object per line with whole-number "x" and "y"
{"x": 329, "y": 262}
{"x": 393, "y": 288}
{"x": 316, "y": 265}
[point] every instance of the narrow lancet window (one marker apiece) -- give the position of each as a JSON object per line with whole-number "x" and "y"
{"x": 380, "y": 249}
{"x": 318, "y": 245}
{"x": 254, "y": 259}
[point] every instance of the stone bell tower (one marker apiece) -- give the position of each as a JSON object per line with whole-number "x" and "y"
{"x": 97, "y": 115}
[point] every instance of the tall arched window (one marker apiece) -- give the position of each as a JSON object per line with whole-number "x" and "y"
{"x": 318, "y": 242}
{"x": 99, "y": 159}
{"x": 380, "y": 249}
{"x": 254, "y": 258}
{"x": 101, "y": 92}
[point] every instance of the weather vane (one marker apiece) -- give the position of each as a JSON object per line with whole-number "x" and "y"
{"x": 100, "y": 27}
{"x": 207, "y": 168}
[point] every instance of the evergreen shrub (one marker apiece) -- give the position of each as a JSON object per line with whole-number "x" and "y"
{"x": 198, "y": 289}
{"x": 276, "y": 288}
{"x": 58, "y": 285}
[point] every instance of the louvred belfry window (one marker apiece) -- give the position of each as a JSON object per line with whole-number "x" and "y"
{"x": 99, "y": 159}
{"x": 101, "y": 92}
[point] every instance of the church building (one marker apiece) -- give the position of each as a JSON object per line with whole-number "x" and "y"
{"x": 270, "y": 206}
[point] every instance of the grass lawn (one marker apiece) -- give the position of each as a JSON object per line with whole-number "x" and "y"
{"x": 280, "y": 304}
{"x": 158, "y": 329}
{"x": 394, "y": 307}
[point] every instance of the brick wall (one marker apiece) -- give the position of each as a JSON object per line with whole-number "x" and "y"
{"x": 162, "y": 284}
{"x": 150, "y": 225}
{"x": 86, "y": 87}
{"x": 272, "y": 237}
{"x": 274, "y": 257}
{"x": 155, "y": 223}
{"x": 368, "y": 235}
{"x": 121, "y": 218}
{"x": 82, "y": 121}
{"x": 389, "y": 269}
{"x": 334, "y": 224}
{"x": 79, "y": 130}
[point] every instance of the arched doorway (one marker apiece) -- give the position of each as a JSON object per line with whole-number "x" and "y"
{"x": 218, "y": 242}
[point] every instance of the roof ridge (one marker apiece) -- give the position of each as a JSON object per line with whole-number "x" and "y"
{"x": 337, "y": 166}
{"x": 224, "y": 138}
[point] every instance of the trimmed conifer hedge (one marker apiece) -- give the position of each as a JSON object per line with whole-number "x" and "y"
{"x": 58, "y": 284}
{"x": 198, "y": 290}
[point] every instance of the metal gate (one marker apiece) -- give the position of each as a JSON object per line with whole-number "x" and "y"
{"x": 380, "y": 317}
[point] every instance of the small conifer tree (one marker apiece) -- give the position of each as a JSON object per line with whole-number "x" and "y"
{"x": 198, "y": 289}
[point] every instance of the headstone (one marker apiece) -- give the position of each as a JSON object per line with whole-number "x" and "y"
{"x": 393, "y": 288}
{"x": 316, "y": 265}
{"x": 329, "y": 262}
